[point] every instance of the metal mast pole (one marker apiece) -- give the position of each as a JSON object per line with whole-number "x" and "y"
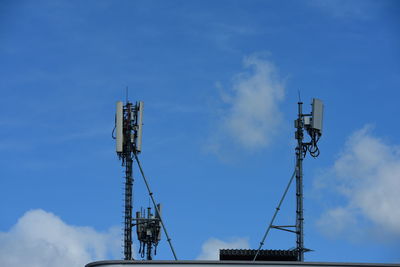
{"x": 128, "y": 186}
{"x": 149, "y": 251}
{"x": 299, "y": 185}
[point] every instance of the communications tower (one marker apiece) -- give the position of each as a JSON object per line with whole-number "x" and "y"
{"x": 128, "y": 131}
{"x": 312, "y": 123}
{"x": 128, "y": 135}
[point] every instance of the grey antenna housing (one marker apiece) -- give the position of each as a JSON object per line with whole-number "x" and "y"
{"x": 317, "y": 115}
{"x": 119, "y": 119}
{"x": 139, "y": 125}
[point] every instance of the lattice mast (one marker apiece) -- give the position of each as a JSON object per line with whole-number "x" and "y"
{"x": 128, "y": 131}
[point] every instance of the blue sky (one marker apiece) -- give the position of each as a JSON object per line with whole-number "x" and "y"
{"x": 220, "y": 83}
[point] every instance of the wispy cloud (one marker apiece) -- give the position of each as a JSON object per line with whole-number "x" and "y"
{"x": 367, "y": 176}
{"x": 41, "y": 239}
{"x": 354, "y": 9}
{"x": 210, "y": 248}
{"x": 224, "y": 35}
{"x": 251, "y": 115}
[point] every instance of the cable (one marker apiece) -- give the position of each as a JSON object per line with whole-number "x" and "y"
{"x": 313, "y": 147}
{"x": 155, "y": 206}
{"x": 115, "y": 126}
{"x": 273, "y": 217}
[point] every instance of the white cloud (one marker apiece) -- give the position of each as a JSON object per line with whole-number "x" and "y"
{"x": 364, "y": 9}
{"x": 252, "y": 115}
{"x": 367, "y": 175}
{"x": 41, "y": 239}
{"x": 210, "y": 248}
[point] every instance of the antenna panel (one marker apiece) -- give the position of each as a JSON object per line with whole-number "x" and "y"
{"x": 317, "y": 114}
{"x": 140, "y": 108}
{"x": 119, "y": 127}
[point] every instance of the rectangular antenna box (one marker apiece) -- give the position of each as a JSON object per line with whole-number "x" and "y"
{"x": 119, "y": 118}
{"x": 140, "y": 107}
{"x": 317, "y": 114}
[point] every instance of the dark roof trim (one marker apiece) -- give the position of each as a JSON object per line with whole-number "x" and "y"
{"x": 265, "y": 263}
